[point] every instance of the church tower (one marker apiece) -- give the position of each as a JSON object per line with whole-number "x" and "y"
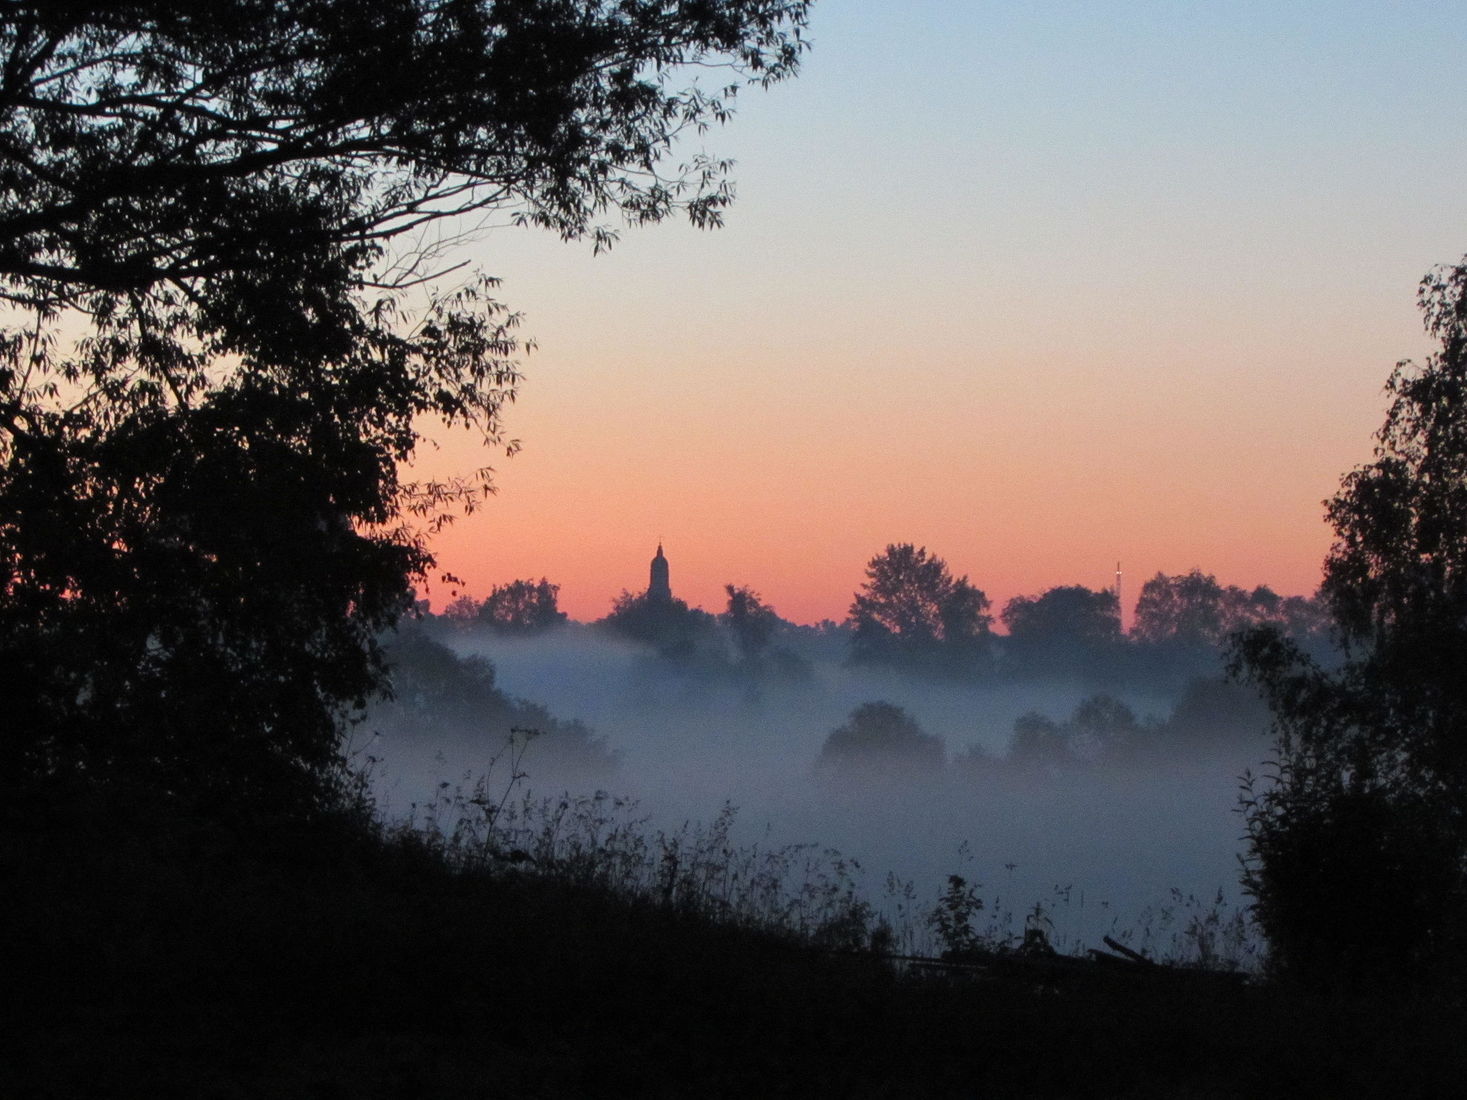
{"x": 659, "y": 590}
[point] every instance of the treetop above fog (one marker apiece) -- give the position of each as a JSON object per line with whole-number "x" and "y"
{"x": 912, "y": 610}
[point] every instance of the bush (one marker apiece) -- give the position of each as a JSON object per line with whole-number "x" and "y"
{"x": 884, "y": 735}
{"x": 1357, "y": 890}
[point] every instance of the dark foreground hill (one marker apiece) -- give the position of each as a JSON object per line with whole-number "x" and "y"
{"x": 157, "y": 955}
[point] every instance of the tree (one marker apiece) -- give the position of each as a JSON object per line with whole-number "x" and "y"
{"x": 1038, "y": 743}
{"x": 1214, "y": 712}
{"x": 451, "y": 699}
{"x": 521, "y": 607}
{"x": 1101, "y": 730}
{"x": 912, "y": 611}
{"x": 669, "y": 625}
{"x": 202, "y": 519}
{"x": 1185, "y": 609}
{"x": 882, "y": 735}
{"x": 1357, "y": 851}
{"x": 751, "y": 621}
{"x": 1062, "y": 628}
{"x": 1193, "y": 609}
{"x": 462, "y": 611}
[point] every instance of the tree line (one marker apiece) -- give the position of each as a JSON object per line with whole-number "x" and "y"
{"x": 911, "y": 613}
{"x": 881, "y": 738}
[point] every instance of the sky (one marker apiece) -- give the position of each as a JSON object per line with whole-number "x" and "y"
{"x": 1041, "y": 287}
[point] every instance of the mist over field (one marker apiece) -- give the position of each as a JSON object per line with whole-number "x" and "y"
{"x": 1102, "y": 845}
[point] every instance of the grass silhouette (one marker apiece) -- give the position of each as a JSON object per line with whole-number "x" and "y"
{"x": 497, "y": 945}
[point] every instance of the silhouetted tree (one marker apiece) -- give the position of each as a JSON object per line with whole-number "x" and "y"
{"x": 202, "y": 522}
{"x": 912, "y": 611}
{"x": 1194, "y": 609}
{"x": 438, "y": 694}
{"x": 1038, "y": 743}
{"x": 1214, "y": 712}
{"x": 1102, "y": 729}
{"x": 1185, "y": 609}
{"x": 521, "y": 607}
{"x": 1357, "y": 853}
{"x": 462, "y": 611}
{"x": 1063, "y": 629}
{"x": 882, "y": 735}
{"x": 751, "y": 621}
{"x": 669, "y": 625}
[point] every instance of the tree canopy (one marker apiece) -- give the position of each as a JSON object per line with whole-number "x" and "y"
{"x": 522, "y": 607}
{"x": 881, "y": 736}
{"x": 750, "y": 620}
{"x": 1069, "y": 613}
{"x": 1064, "y": 629}
{"x": 1372, "y": 786}
{"x": 912, "y": 610}
{"x": 669, "y": 625}
{"x": 213, "y": 220}
{"x": 1194, "y": 609}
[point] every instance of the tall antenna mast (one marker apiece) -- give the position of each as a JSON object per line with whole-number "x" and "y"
{"x": 1120, "y": 607}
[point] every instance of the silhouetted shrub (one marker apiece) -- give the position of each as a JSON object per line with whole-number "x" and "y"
{"x": 881, "y": 734}
{"x": 1356, "y": 889}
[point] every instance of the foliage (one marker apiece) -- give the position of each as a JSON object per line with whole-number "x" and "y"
{"x": 669, "y": 625}
{"x": 521, "y": 607}
{"x": 1185, "y": 608}
{"x": 308, "y": 943}
{"x": 798, "y": 891}
{"x": 911, "y": 611}
{"x": 953, "y": 919}
{"x": 1063, "y": 629}
{"x": 1193, "y": 609}
{"x": 1357, "y": 887}
{"x": 438, "y": 694}
{"x": 212, "y": 217}
{"x": 881, "y": 735}
{"x": 1371, "y": 790}
{"x": 1069, "y": 613}
{"x": 1215, "y": 711}
{"x": 1102, "y": 729}
{"x": 1038, "y": 742}
{"x": 751, "y": 621}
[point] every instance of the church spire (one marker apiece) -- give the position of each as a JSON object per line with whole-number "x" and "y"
{"x": 659, "y": 587}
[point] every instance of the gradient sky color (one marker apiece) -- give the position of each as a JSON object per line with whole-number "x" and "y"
{"x": 1038, "y": 286}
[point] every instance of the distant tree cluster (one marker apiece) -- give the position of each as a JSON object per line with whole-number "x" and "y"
{"x": 668, "y": 625}
{"x": 518, "y": 607}
{"x": 436, "y": 693}
{"x": 913, "y": 614}
{"x": 1061, "y": 629}
{"x": 1193, "y": 609}
{"x": 751, "y": 621}
{"x": 1101, "y": 728}
{"x": 1212, "y": 715}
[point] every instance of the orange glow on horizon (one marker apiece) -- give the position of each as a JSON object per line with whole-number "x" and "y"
{"x": 1150, "y": 326}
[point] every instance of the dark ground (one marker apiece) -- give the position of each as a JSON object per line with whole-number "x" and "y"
{"x": 158, "y": 955}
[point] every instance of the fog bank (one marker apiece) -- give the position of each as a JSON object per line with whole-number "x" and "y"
{"x": 1100, "y": 845}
